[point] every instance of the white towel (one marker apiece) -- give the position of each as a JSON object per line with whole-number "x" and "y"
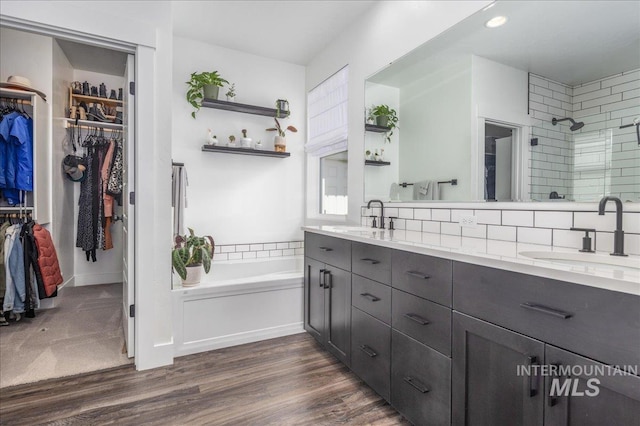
{"x": 426, "y": 190}
{"x": 179, "y": 198}
{"x": 394, "y": 192}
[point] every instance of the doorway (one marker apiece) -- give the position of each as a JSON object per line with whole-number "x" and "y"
{"x": 498, "y": 160}
{"x": 112, "y": 274}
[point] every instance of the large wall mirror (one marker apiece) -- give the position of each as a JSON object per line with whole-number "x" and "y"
{"x": 542, "y": 108}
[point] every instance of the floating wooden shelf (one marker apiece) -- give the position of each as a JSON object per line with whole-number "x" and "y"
{"x": 247, "y": 109}
{"x": 106, "y": 101}
{"x": 85, "y": 124}
{"x": 375, "y": 128}
{"x": 245, "y": 151}
{"x": 376, "y": 163}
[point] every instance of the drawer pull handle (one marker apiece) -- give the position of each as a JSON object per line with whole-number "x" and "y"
{"x": 321, "y": 278}
{"x": 417, "y": 318}
{"x": 416, "y": 384}
{"x": 533, "y": 390}
{"x": 370, "y": 297}
{"x": 371, "y": 261}
{"x": 367, "y": 350}
{"x": 545, "y": 310}
{"x": 418, "y": 275}
{"x": 325, "y": 248}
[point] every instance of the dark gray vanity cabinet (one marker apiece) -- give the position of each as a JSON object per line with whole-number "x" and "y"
{"x": 486, "y": 387}
{"x": 327, "y": 294}
{"x": 613, "y": 400}
{"x": 371, "y": 351}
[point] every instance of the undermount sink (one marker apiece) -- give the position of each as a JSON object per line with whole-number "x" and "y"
{"x": 586, "y": 259}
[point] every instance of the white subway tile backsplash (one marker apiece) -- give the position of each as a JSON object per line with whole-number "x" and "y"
{"x": 275, "y": 253}
{"x": 256, "y": 247}
{"x": 571, "y": 239}
{"x": 422, "y": 214}
{"x": 221, "y": 256}
{"x": 405, "y": 213}
{"x": 631, "y": 243}
{"x": 270, "y": 246}
{"x": 391, "y": 212}
{"x": 553, "y": 219}
{"x": 261, "y": 254}
{"x": 413, "y": 225}
{"x": 243, "y": 247}
{"x": 299, "y": 251}
{"x": 249, "y": 255}
{"x": 631, "y": 223}
{"x": 480, "y": 231}
{"x": 228, "y": 249}
{"x": 504, "y": 233}
{"x": 431, "y": 226}
{"x": 450, "y": 228}
{"x": 443, "y": 215}
{"x": 606, "y": 223}
{"x": 534, "y": 235}
{"x": 491, "y": 217}
{"x": 281, "y": 246}
{"x": 234, "y": 256}
{"x": 456, "y": 214}
{"x": 517, "y": 217}
{"x": 288, "y": 252}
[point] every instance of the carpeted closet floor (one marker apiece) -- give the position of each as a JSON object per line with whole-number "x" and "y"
{"x": 82, "y": 333}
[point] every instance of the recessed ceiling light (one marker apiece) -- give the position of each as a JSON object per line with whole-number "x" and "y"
{"x": 496, "y": 22}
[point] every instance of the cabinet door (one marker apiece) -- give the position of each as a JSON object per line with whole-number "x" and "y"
{"x": 613, "y": 400}
{"x": 487, "y": 389}
{"x": 314, "y": 298}
{"x": 371, "y": 352}
{"x": 337, "y": 308}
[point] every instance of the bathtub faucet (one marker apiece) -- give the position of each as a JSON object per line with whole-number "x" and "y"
{"x": 618, "y": 234}
{"x": 381, "y": 211}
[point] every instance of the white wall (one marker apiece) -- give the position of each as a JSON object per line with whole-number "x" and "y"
{"x": 378, "y": 179}
{"x": 64, "y": 203}
{"x": 240, "y": 199}
{"x": 390, "y": 30}
{"x": 435, "y": 129}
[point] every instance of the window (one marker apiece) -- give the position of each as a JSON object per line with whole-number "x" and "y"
{"x": 327, "y": 145}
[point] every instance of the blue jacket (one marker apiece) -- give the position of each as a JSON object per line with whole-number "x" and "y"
{"x": 16, "y": 136}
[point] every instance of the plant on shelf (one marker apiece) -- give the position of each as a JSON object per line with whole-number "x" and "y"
{"x": 232, "y": 141}
{"x": 231, "y": 93}
{"x": 203, "y": 85}
{"x": 279, "y": 142}
{"x": 190, "y": 255}
{"x": 282, "y": 107}
{"x": 384, "y": 116}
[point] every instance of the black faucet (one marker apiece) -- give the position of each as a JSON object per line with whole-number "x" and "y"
{"x": 618, "y": 234}
{"x": 381, "y": 211}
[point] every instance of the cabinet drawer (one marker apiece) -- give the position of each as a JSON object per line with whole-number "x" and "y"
{"x": 334, "y": 251}
{"x": 425, "y": 321}
{"x": 372, "y": 297}
{"x": 420, "y": 382}
{"x": 601, "y": 324}
{"x": 370, "y": 351}
{"x": 425, "y": 276}
{"x": 371, "y": 261}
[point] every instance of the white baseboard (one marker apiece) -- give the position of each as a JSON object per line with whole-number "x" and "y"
{"x": 220, "y": 342}
{"x": 94, "y": 279}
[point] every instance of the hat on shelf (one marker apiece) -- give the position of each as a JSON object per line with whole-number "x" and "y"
{"x": 74, "y": 168}
{"x": 21, "y": 83}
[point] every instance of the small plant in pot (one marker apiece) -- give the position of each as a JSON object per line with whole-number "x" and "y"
{"x": 279, "y": 142}
{"x": 203, "y": 85}
{"x": 191, "y": 254}
{"x": 384, "y": 116}
{"x": 231, "y": 93}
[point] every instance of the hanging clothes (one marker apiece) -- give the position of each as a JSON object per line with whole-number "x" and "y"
{"x": 16, "y": 294}
{"x": 16, "y": 155}
{"x": 3, "y": 276}
{"x": 43, "y": 258}
{"x": 106, "y": 198}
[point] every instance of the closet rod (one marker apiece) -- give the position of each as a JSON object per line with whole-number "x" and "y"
{"x": 85, "y": 124}
{"x": 14, "y": 208}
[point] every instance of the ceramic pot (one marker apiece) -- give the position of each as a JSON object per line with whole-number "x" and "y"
{"x": 194, "y": 275}
{"x": 246, "y": 142}
{"x": 211, "y": 91}
{"x": 280, "y": 144}
{"x": 382, "y": 120}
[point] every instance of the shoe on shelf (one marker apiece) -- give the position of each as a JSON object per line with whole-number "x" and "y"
{"x": 82, "y": 110}
{"x": 118, "y": 117}
{"x": 76, "y": 88}
{"x": 85, "y": 88}
{"x": 103, "y": 90}
{"x": 96, "y": 113}
{"x": 113, "y": 94}
{"x": 120, "y": 94}
{"x": 94, "y": 91}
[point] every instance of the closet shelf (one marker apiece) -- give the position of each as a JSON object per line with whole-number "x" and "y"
{"x": 375, "y": 128}
{"x": 247, "y": 109}
{"x": 376, "y": 163}
{"x": 86, "y": 124}
{"x": 245, "y": 151}
{"x": 107, "y": 101}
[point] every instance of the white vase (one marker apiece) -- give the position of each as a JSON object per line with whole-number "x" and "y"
{"x": 280, "y": 144}
{"x": 194, "y": 275}
{"x": 245, "y": 142}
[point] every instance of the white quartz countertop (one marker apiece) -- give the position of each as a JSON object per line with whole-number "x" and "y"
{"x": 493, "y": 253}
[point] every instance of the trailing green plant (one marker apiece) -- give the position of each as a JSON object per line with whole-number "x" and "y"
{"x": 191, "y": 250}
{"x": 385, "y": 111}
{"x": 285, "y": 107}
{"x": 280, "y": 130}
{"x": 196, "y": 84}
{"x": 231, "y": 93}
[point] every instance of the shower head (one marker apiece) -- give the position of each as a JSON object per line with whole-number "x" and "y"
{"x": 574, "y": 126}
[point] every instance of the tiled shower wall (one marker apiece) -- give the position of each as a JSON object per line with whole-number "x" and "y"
{"x": 600, "y": 157}
{"x": 257, "y": 250}
{"x": 547, "y": 227}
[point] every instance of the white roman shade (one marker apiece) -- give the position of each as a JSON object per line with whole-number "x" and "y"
{"x": 328, "y": 118}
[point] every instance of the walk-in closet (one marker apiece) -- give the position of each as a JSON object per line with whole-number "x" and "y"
{"x": 77, "y": 95}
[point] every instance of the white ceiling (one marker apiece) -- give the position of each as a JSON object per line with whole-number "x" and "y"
{"x": 571, "y": 42}
{"x": 290, "y": 31}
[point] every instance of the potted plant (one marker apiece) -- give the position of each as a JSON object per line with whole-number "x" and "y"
{"x": 384, "y": 116}
{"x": 203, "y": 85}
{"x": 232, "y": 141}
{"x": 191, "y": 254}
{"x": 279, "y": 142}
{"x": 282, "y": 108}
{"x": 245, "y": 142}
{"x": 231, "y": 93}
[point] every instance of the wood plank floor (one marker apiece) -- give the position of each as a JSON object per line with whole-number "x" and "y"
{"x": 284, "y": 381}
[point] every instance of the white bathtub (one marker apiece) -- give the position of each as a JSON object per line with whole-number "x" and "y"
{"x": 239, "y": 302}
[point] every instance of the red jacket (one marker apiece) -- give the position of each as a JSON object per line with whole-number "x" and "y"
{"x": 47, "y": 260}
